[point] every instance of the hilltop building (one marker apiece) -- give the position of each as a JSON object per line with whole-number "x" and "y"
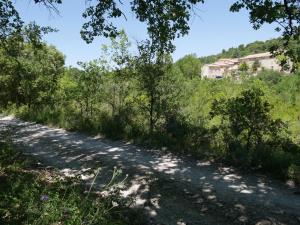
{"x": 228, "y": 67}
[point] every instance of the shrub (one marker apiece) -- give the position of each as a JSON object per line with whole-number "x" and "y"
{"x": 251, "y": 137}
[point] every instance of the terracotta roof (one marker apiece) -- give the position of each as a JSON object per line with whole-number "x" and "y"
{"x": 222, "y": 63}
{"x": 219, "y": 64}
{"x": 231, "y": 62}
{"x": 228, "y": 60}
{"x": 259, "y": 55}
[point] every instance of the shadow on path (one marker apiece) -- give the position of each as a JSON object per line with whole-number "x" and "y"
{"x": 170, "y": 189}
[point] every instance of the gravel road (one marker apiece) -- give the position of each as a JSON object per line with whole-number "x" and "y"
{"x": 168, "y": 188}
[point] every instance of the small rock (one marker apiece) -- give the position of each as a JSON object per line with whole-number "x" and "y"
{"x": 204, "y": 209}
{"x": 181, "y": 222}
{"x": 220, "y": 204}
{"x": 243, "y": 219}
{"x": 264, "y": 222}
{"x": 290, "y": 184}
{"x": 212, "y": 197}
{"x": 199, "y": 201}
{"x": 240, "y": 207}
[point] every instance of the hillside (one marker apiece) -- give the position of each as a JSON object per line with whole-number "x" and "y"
{"x": 241, "y": 51}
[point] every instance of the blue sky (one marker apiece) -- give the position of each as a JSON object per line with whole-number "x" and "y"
{"x": 214, "y": 29}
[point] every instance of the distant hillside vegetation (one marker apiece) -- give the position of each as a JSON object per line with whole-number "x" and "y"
{"x": 241, "y": 50}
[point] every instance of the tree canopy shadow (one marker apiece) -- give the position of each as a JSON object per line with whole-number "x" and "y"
{"x": 168, "y": 189}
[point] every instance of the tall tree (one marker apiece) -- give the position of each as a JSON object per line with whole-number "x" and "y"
{"x": 30, "y": 68}
{"x": 88, "y": 83}
{"x": 118, "y": 60}
{"x": 151, "y": 68}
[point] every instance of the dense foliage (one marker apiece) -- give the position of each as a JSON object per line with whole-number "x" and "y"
{"x": 189, "y": 65}
{"x": 30, "y": 69}
{"x": 247, "y": 128}
{"x": 253, "y": 122}
{"x": 149, "y": 99}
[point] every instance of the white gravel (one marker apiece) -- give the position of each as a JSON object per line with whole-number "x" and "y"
{"x": 169, "y": 189}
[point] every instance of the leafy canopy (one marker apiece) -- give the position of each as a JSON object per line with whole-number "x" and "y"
{"x": 286, "y": 14}
{"x": 167, "y": 19}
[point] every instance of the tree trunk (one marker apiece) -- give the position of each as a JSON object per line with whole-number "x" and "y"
{"x": 151, "y": 124}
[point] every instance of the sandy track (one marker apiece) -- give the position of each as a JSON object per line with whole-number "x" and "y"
{"x": 170, "y": 189}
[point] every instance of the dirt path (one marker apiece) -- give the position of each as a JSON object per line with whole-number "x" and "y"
{"x": 171, "y": 190}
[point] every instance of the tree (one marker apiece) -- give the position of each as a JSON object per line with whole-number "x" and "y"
{"x": 10, "y": 21}
{"x": 30, "y": 68}
{"x": 118, "y": 60}
{"x": 285, "y": 13}
{"x": 41, "y": 72}
{"x": 288, "y": 51}
{"x": 246, "y": 123}
{"x": 243, "y": 67}
{"x": 255, "y": 65}
{"x": 166, "y": 20}
{"x": 190, "y": 66}
{"x": 151, "y": 68}
{"x": 88, "y": 84}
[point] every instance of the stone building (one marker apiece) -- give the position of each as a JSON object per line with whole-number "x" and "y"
{"x": 227, "y": 67}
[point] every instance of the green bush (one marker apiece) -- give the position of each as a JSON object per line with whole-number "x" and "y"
{"x": 270, "y": 77}
{"x": 251, "y": 137}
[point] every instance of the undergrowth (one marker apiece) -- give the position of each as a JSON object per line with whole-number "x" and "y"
{"x": 35, "y": 196}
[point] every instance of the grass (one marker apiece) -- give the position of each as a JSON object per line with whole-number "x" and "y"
{"x": 30, "y": 195}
